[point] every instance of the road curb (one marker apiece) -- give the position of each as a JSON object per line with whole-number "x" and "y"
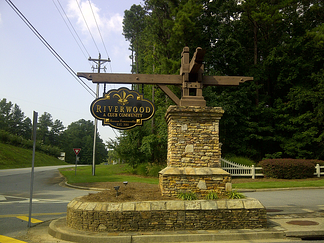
{"x": 238, "y": 190}
{"x": 233, "y": 185}
{"x": 85, "y": 188}
{"x": 276, "y": 189}
{"x": 59, "y": 230}
{"x": 305, "y": 234}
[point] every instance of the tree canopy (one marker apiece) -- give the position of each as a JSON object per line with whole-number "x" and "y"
{"x": 279, "y": 43}
{"x": 53, "y": 134}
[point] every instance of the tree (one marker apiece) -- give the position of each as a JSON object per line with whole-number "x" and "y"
{"x": 80, "y": 134}
{"x": 243, "y": 40}
{"x": 26, "y": 128}
{"x": 13, "y": 120}
{"x": 45, "y": 122}
{"x": 133, "y": 25}
{"x": 55, "y": 132}
{"x": 5, "y": 114}
{"x": 16, "y": 121}
{"x": 279, "y": 43}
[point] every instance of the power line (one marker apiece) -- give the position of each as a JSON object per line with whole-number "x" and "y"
{"x": 50, "y": 48}
{"x": 87, "y": 26}
{"x": 75, "y": 33}
{"x": 99, "y": 32}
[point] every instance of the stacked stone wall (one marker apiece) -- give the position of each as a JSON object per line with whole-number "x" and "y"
{"x": 200, "y": 181}
{"x": 193, "y": 139}
{"x": 166, "y": 215}
{"x": 193, "y": 159}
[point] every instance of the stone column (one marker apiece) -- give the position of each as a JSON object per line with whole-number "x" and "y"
{"x": 193, "y": 160}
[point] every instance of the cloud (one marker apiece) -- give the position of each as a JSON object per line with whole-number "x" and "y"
{"x": 110, "y": 25}
{"x": 115, "y": 23}
{"x": 90, "y": 16}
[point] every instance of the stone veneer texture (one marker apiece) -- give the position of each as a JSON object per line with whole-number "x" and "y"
{"x": 166, "y": 215}
{"x": 193, "y": 159}
{"x": 193, "y": 139}
{"x": 200, "y": 181}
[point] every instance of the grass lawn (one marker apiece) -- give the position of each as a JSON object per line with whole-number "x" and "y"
{"x": 120, "y": 173}
{"x": 16, "y": 157}
{"x": 279, "y": 183}
{"x": 105, "y": 173}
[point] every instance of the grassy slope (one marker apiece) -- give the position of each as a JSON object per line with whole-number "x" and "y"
{"x": 16, "y": 157}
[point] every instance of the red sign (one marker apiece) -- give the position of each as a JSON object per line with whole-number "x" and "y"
{"x": 76, "y": 151}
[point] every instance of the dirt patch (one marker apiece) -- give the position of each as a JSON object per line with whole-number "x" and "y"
{"x": 137, "y": 191}
{"x": 133, "y": 191}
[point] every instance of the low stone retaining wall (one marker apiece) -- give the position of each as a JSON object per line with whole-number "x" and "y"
{"x": 166, "y": 215}
{"x": 200, "y": 181}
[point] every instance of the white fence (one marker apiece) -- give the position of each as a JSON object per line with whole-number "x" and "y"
{"x": 236, "y": 169}
{"x": 318, "y": 172}
{"x": 240, "y": 170}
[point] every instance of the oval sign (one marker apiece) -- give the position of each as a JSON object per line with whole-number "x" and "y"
{"x": 122, "y": 109}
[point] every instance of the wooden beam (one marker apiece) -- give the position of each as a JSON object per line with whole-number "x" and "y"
{"x": 169, "y": 93}
{"x": 197, "y": 60}
{"x": 224, "y": 80}
{"x": 163, "y": 79}
{"x": 132, "y": 78}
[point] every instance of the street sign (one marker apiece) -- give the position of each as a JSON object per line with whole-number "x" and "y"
{"x": 76, "y": 151}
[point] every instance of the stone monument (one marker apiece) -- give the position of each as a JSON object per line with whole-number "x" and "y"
{"x": 193, "y": 159}
{"x": 193, "y": 164}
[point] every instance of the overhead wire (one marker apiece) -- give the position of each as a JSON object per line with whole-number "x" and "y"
{"x": 50, "y": 48}
{"x": 103, "y": 43}
{"x": 67, "y": 25}
{"x": 92, "y": 35}
{"x": 85, "y": 21}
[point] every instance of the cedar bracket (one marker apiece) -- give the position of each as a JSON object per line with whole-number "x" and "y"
{"x": 191, "y": 79}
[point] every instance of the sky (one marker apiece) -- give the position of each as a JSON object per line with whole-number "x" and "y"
{"x": 32, "y": 78}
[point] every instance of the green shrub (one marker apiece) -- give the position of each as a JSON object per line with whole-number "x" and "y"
{"x": 28, "y": 144}
{"x": 288, "y": 168}
{"x": 141, "y": 169}
{"x": 18, "y": 141}
{"x": 315, "y": 162}
{"x": 212, "y": 195}
{"x": 187, "y": 196}
{"x": 4, "y": 136}
{"x": 154, "y": 170}
{"x": 235, "y": 195}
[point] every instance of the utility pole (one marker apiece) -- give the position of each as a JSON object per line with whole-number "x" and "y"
{"x": 98, "y": 61}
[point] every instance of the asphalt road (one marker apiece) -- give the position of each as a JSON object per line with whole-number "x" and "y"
{"x": 50, "y": 199}
{"x": 291, "y": 201}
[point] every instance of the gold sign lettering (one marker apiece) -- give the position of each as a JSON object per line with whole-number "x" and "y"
{"x": 98, "y": 108}
{"x": 125, "y": 108}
